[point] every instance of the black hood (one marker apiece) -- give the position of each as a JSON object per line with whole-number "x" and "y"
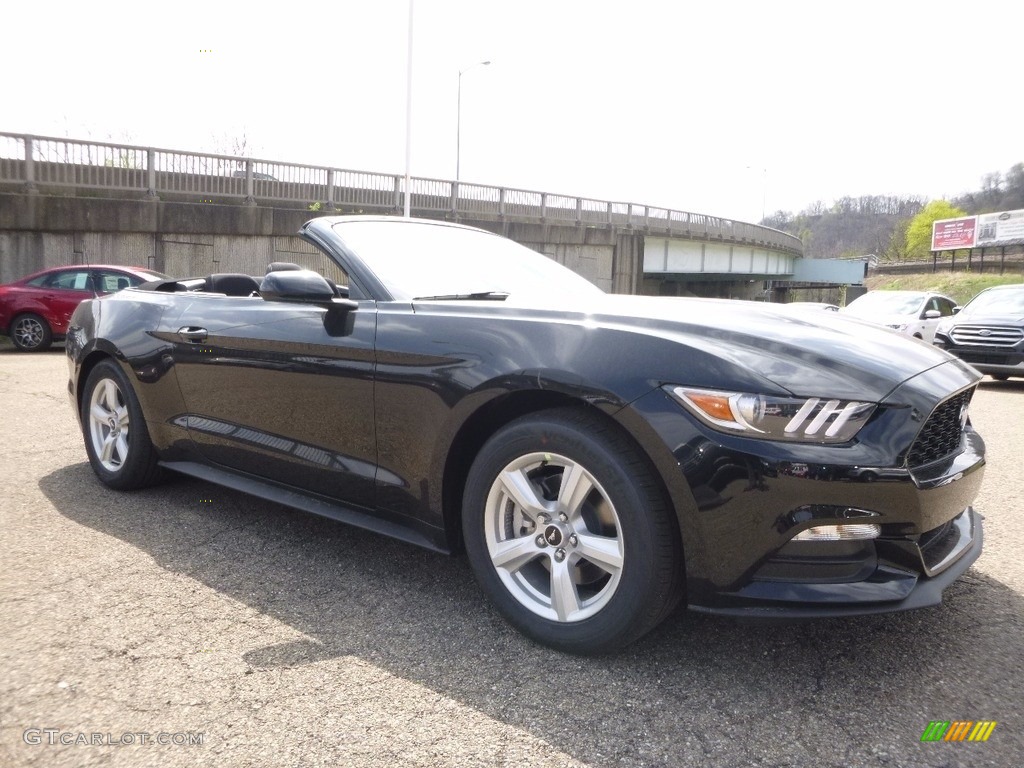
{"x": 804, "y": 351}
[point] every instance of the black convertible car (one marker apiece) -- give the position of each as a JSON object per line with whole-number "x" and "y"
{"x": 599, "y": 458}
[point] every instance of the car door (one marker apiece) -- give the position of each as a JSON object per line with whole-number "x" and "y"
{"x": 62, "y": 293}
{"x": 271, "y": 392}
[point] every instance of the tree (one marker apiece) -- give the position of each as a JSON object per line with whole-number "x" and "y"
{"x": 778, "y": 220}
{"x": 125, "y": 158}
{"x": 896, "y": 248}
{"x": 919, "y": 232}
{"x": 236, "y": 144}
{"x": 1013, "y": 195}
{"x": 991, "y": 191}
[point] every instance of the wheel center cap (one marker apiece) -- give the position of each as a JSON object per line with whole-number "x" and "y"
{"x": 553, "y": 535}
{"x": 113, "y": 426}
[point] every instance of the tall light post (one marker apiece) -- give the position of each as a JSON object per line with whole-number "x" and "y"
{"x": 408, "y": 119}
{"x": 458, "y": 123}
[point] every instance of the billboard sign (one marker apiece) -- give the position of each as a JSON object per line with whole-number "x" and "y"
{"x": 1002, "y": 228}
{"x": 950, "y": 234}
{"x": 981, "y": 231}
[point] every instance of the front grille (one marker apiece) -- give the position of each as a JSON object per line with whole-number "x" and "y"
{"x": 980, "y": 357}
{"x": 987, "y": 335}
{"x": 941, "y": 433}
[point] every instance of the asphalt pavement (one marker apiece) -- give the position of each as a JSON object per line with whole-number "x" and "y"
{"x": 190, "y": 625}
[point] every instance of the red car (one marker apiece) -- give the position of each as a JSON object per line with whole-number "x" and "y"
{"x": 35, "y": 310}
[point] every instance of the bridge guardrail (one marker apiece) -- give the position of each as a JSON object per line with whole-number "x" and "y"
{"x": 50, "y": 162}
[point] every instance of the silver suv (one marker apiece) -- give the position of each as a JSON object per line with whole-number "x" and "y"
{"x": 988, "y": 332}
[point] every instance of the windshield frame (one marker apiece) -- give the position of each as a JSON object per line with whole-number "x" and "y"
{"x": 461, "y": 267}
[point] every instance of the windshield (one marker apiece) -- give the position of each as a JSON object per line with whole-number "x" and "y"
{"x": 997, "y": 302}
{"x": 886, "y": 303}
{"x": 424, "y": 260}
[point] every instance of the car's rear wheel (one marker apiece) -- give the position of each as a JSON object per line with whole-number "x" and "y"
{"x": 999, "y": 376}
{"x": 116, "y": 439}
{"x": 31, "y": 333}
{"x": 569, "y": 533}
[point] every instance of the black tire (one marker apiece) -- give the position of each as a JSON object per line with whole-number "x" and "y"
{"x": 116, "y": 438}
{"x": 31, "y": 333}
{"x": 616, "y": 510}
{"x": 999, "y": 376}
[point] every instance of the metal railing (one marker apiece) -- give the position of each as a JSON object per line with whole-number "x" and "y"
{"x": 35, "y": 162}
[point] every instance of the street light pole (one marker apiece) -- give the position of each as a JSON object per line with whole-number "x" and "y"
{"x": 458, "y": 122}
{"x": 408, "y": 120}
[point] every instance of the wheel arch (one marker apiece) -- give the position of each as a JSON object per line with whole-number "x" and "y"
{"x": 33, "y": 307}
{"x": 29, "y": 309}
{"x": 486, "y": 420}
{"x": 90, "y": 361}
{"x": 470, "y": 438}
{"x": 136, "y": 464}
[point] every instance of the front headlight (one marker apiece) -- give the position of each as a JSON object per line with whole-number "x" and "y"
{"x": 803, "y": 419}
{"x": 897, "y": 326}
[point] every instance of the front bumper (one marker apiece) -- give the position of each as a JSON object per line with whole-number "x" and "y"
{"x": 741, "y": 502}
{"x": 890, "y": 586}
{"x": 993, "y": 360}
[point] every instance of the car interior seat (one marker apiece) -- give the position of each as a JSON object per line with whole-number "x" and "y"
{"x": 232, "y": 284}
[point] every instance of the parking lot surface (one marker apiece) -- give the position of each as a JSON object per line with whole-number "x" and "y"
{"x": 191, "y": 625}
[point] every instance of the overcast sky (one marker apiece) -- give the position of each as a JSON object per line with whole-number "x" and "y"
{"x": 714, "y": 107}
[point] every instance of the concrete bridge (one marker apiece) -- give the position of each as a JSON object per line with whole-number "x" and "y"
{"x": 65, "y": 201}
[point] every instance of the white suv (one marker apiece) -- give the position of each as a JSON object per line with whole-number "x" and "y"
{"x": 915, "y": 313}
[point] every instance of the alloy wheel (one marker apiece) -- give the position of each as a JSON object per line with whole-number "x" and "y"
{"x": 109, "y": 424}
{"x": 554, "y": 537}
{"x": 28, "y": 333}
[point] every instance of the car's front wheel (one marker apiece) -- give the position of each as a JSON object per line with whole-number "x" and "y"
{"x": 569, "y": 533}
{"x": 116, "y": 439}
{"x": 31, "y": 333}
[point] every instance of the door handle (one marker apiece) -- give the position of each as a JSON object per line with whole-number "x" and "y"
{"x": 192, "y": 333}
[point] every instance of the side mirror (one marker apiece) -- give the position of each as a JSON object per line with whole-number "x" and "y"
{"x": 932, "y": 314}
{"x": 304, "y": 286}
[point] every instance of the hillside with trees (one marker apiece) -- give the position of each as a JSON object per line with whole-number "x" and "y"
{"x": 891, "y": 227}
